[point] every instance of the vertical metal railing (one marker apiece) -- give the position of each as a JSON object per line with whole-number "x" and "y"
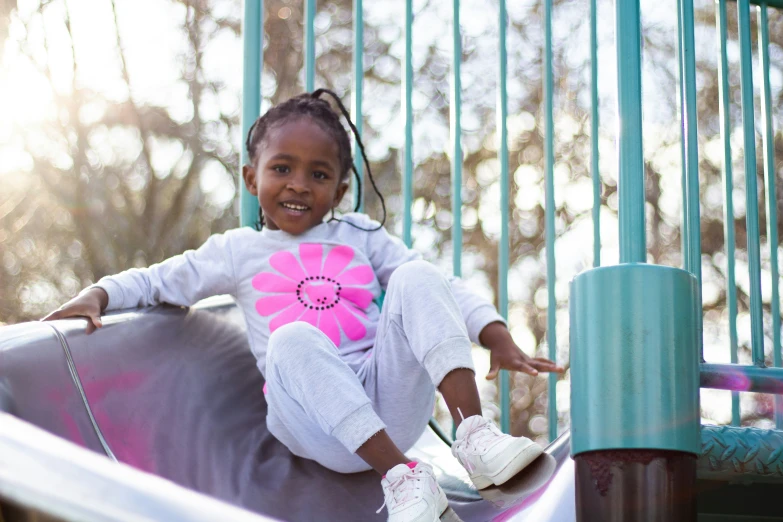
{"x": 594, "y": 126}
{"x": 549, "y": 216}
{"x": 751, "y": 189}
{"x": 728, "y": 185}
{"x": 309, "y": 45}
{"x": 455, "y": 119}
{"x": 407, "y": 104}
{"x": 771, "y": 194}
{"x": 503, "y": 247}
{"x": 252, "y": 41}
{"x": 356, "y": 99}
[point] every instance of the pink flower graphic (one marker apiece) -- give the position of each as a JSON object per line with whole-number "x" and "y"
{"x": 317, "y": 291}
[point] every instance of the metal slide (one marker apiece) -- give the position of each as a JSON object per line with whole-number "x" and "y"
{"x": 174, "y": 395}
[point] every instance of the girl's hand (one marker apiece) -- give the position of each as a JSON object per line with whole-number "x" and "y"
{"x": 88, "y": 304}
{"x": 511, "y": 357}
{"x": 506, "y": 355}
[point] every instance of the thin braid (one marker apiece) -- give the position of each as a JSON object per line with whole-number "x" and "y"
{"x": 317, "y": 94}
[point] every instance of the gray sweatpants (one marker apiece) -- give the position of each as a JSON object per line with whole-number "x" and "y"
{"x": 323, "y": 409}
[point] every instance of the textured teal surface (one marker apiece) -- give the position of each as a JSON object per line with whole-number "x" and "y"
{"x": 634, "y": 359}
{"x": 253, "y": 58}
{"x": 502, "y": 111}
{"x": 728, "y": 191}
{"x": 732, "y": 453}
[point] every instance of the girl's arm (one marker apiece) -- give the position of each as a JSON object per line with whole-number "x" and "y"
{"x": 180, "y": 280}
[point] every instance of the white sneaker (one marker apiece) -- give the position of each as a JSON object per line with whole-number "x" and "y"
{"x": 489, "y": 455}
{"x": 413, "y": 495}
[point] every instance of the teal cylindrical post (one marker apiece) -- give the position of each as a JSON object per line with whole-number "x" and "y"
{"x": 634, "y": 359}
{"x": 728, "y": 191}
{"x": 751, "y": 187}
{"x": 309, "y": 47}
{"x": 455, "y": 120}
{"x": 252, "y": 36}
{"x": 772, "y": 200}
{"x": 683, "y": 182}
{"x": 407, "y": 103}
{"x": 594, "y": 126}
{"x": 635, "y": 392}
{"x": 549, "y": 211}
{"x": 691, "y": 228}
{"x": 356, "y": 101}
{"x": 503, "y": 256}
{"x": 633, "y": 244}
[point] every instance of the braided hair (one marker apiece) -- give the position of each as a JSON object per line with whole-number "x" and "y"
{"x": 313, "y": 105}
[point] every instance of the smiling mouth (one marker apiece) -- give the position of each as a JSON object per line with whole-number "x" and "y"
{"x": 296, "y": 207}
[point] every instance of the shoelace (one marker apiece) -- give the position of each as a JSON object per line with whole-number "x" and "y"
{"x": 404, "y": 484}
{"x": 470, "y": 441}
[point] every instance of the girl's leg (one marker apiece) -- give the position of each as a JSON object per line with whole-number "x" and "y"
{"x": 317, "y": 406}
{"x": 422, "y": 343}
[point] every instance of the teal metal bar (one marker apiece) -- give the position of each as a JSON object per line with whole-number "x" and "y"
{"x": 594, "y": 124}
{"x": 742, "y": 378}
{"x": 407, "y": 103}
{"x": 358, "y": 92}
{"x": 772, "y": 212}
{"x": 549, "y": 159}
{"x": 633, "y": 244}
{"x": 728, "y": 186}
{"x": 455, "y": 120}
{"x": 503, "y": 257}
{"x": 309, "y": 47}
{"x": 683, "y": 182}
{"x": 751, "y": 189}
{"x": 253, "y": 58}
{"x": 690, "y": 137}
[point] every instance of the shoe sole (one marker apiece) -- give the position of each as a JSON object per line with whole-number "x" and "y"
{"x": 449, "y": 516}
{"x": 520, "y": 461}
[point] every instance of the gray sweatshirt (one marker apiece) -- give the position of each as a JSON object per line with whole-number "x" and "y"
{"x": 331, "y": 276}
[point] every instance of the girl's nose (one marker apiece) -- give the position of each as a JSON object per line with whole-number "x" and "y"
{"x": 298, "y": 183}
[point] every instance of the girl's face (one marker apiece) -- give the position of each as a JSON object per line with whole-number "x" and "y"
{"x": 296, "y": 176}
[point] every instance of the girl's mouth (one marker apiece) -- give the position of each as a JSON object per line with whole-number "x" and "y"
{"x": 295, "y": 207}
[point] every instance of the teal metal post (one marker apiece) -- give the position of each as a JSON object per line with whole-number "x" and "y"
{"x": 356, "y": 100}
{"x": 594, "y": 125}
{"x": 771, "y": 192}
{"x": 455, "y": 120}
{"x": 690, "y": 138}
{"x": 407, "y": 104}
{"x": 633, "y": 244}
{"x": 252, "y": 36}
{"x": 683, "y": 182}
{"x": 549, "y": 162}
{"x": 503, "y": 256}
{"x": 728, "y": 186}
{"x": 751, "y": 188}
{"x": 633, "y": 326}
{"x": 309, "y": 45}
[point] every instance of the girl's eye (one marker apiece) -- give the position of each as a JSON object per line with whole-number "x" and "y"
{"x": 282, "y": 169}
{"x": 320, "y": 175}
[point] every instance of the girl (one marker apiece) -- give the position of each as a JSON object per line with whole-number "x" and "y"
{"x": 349, "y": 385}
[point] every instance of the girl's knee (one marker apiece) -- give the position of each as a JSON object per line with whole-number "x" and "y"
{"x": 417, "y": 274}
{"x": 295, "y": 341}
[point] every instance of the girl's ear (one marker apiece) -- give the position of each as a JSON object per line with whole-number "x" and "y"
{"x": 249, "y": 175}
{"x": 338, "y": 197}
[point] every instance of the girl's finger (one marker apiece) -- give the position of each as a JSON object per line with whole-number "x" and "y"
{"x": 546, "y": 366}
{"x": 526, "y": 368}
{"x": 493, "y": 370}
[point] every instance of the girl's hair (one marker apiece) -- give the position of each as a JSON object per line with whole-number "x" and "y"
{"x": 313, "y": 106}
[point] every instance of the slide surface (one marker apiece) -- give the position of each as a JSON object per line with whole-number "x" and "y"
{"x": 175, "y": 393}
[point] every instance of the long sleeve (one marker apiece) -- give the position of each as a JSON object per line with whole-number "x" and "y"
{"x": 180, "y": 280}
{"x": 387, "y": 252}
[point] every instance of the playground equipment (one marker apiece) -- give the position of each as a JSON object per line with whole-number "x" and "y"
{"x": 639, "y": 452}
